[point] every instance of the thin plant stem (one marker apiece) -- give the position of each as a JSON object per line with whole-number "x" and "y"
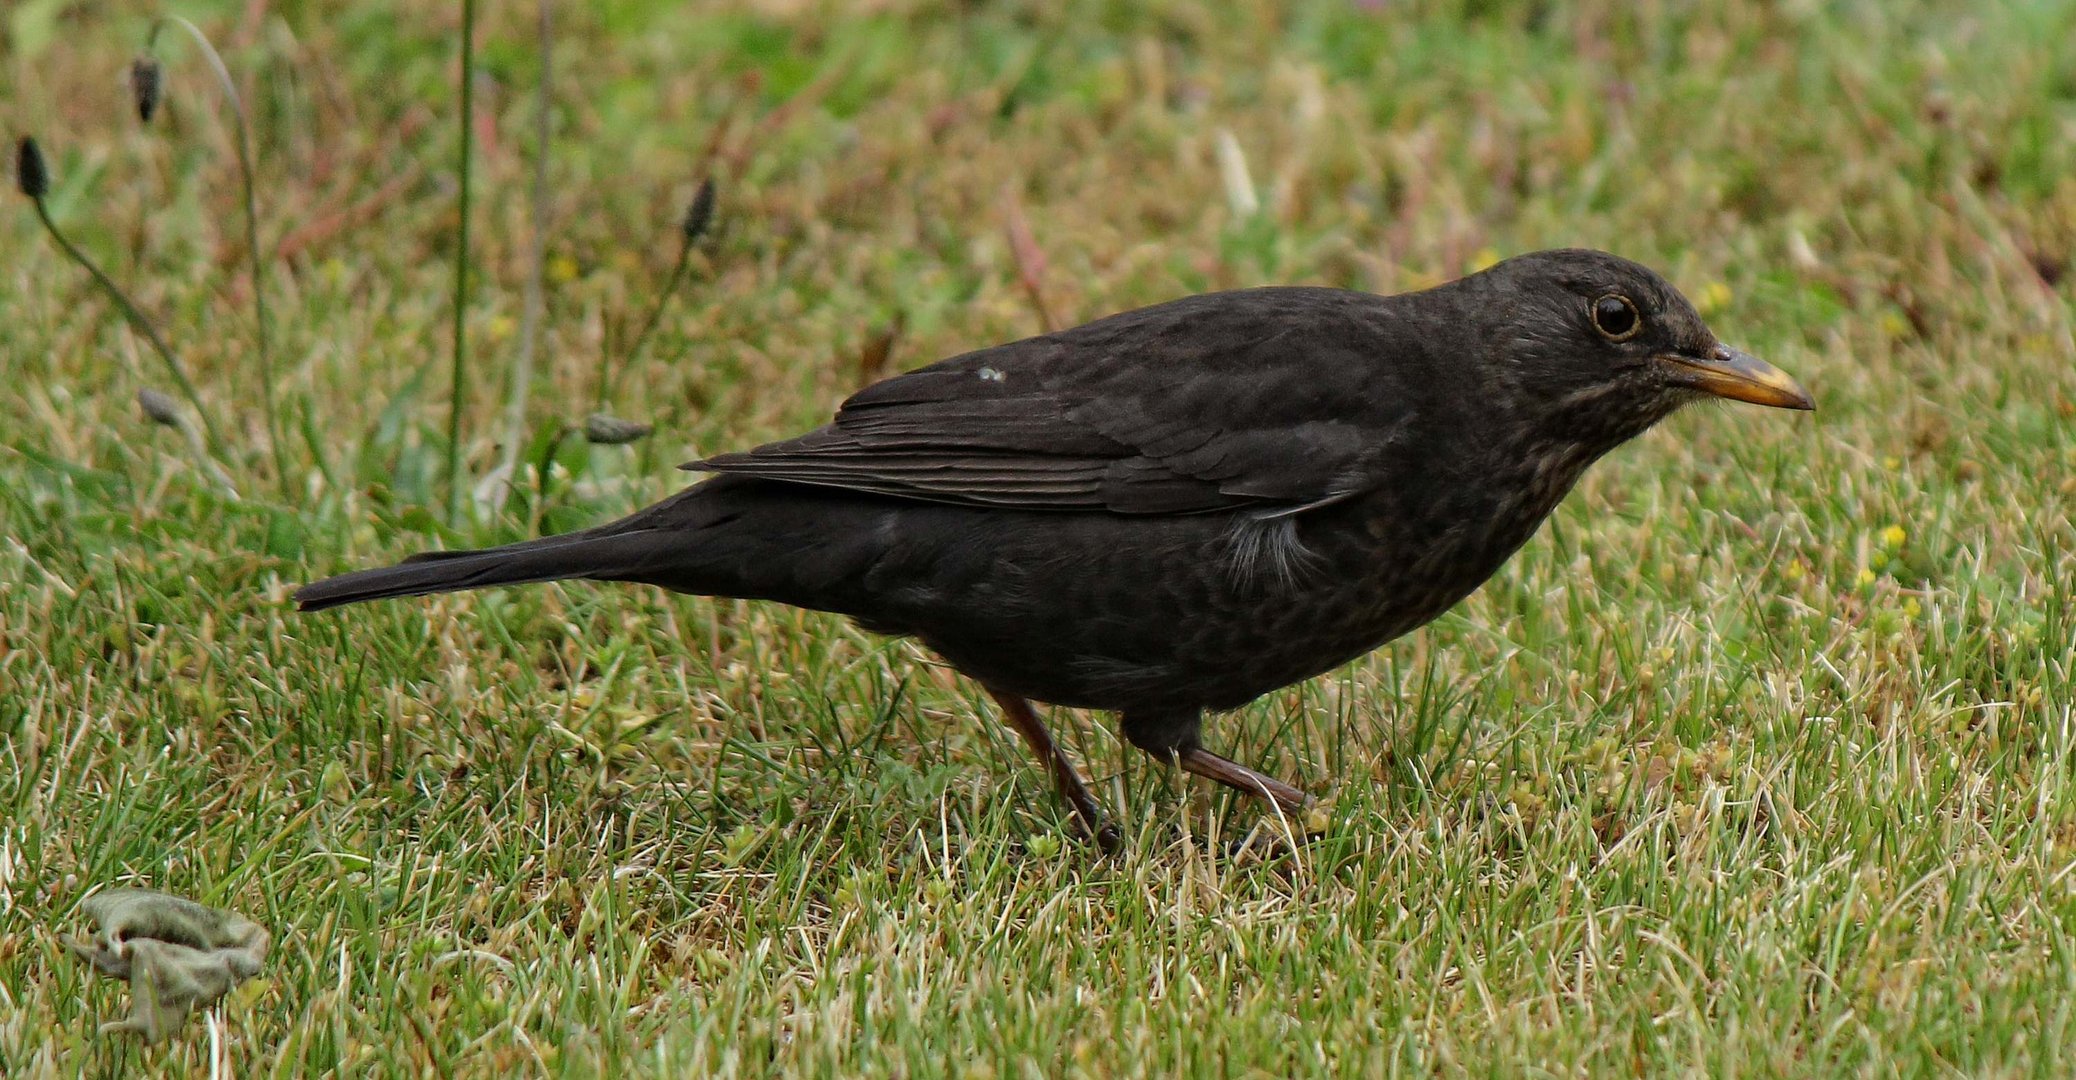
{"x": 141, "y": 324}
{"x": 461, "y": 260}
{"x": 530, "y": 318}
{"x": 677, "y": 274}
{"x": 253, "y": 265}
{"x": 690, "y": 229}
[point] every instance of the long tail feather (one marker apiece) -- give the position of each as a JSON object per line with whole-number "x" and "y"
{"x": 602, "y": 556}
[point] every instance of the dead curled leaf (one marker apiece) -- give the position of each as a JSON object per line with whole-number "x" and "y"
{"x": 176, "y": 955}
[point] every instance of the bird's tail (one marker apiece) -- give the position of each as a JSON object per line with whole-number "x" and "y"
{"x": 597, "y": 554}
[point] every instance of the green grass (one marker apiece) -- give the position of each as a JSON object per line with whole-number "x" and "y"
{"x": 1760, "y": 760}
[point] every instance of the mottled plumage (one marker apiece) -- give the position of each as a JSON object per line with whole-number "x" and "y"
{"x": 1177, "y": 508}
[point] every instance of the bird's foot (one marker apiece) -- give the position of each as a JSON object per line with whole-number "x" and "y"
{"x": 1088, "y": 814}
{"x": 1232, "y": 774}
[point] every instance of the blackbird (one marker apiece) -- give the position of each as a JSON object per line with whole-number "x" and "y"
{"x": 1179, "y": 508}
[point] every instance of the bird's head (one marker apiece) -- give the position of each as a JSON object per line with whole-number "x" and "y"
{"x": 1603, "y": 346}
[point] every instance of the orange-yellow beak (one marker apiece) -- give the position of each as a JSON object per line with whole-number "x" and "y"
{"x": 1739, "y": 376}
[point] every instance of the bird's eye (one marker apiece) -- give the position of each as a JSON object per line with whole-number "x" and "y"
{"x": 1615, "y": 317}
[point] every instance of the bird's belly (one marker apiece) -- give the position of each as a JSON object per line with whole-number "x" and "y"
{"x": 1122, "y": 615}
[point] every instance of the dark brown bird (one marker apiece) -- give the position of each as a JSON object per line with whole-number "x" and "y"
{"x": 1178, "y": 508}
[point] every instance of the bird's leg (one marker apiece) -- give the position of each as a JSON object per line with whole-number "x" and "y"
{"x": 1172, "y": 737}
{"x": 1026, "y": 722}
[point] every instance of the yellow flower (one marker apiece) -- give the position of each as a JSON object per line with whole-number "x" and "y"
{"x": 1893, "y": 537}
{"x": 1714, "y": 297}
{"x": 1866, "y": 577}
{"x": 1483, "y": 259}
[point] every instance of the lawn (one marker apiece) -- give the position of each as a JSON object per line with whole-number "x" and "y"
{"x": 1759, "y": 760}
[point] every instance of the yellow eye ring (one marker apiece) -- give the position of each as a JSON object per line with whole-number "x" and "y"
{"x": 1616, "y": 317}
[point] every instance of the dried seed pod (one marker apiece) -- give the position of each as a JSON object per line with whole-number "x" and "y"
{"x": 613, "y": 431}
{"x": 701, "y": 213}
{"x": 30, "y": 174}
{"x": 161, "y": 408}
{"x": 144, "y": 86}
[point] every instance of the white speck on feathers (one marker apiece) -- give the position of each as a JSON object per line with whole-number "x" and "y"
{"x": 988, "y": 374}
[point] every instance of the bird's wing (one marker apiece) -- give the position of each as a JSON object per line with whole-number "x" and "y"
{"x": 1239, "y": 400}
